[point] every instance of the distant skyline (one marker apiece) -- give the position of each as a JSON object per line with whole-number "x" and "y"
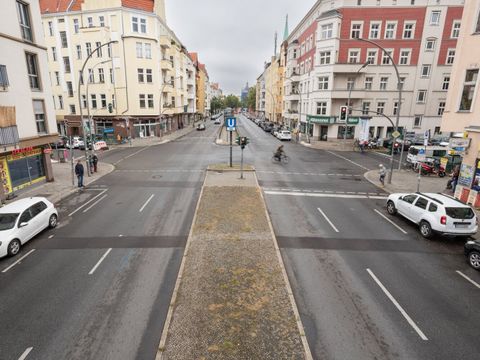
{"x": 233, "y": 38}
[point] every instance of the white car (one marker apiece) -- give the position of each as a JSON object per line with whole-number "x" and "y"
{"x": 77, "y": 143}
{"x": 284, "y": 135}
{"x": 21, "y": 220}
{"x": 217, "y": 121}
{"x": 434, "y": 213}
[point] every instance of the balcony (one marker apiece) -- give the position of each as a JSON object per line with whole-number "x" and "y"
{"x": 165, "y": 42}
{"x": 353, "y": 68}
{"x": 292, "y": 96}
{"x": 343, "y": 94}
{"x": 166, "y": 64}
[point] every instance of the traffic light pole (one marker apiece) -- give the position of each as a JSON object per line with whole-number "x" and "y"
{"x": 241, "y": 163}
{"x": 231, "y": 148}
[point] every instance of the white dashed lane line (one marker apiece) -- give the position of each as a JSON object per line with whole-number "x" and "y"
{"x": 468, "y": 279}
{"x": 25, "y": 353}
{"x": 18, "y": 261}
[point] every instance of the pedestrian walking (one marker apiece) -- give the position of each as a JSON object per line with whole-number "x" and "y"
{"x": 95, "y": 162}
{"x": 79, "y": 171}
{"x": 382, "y": 172}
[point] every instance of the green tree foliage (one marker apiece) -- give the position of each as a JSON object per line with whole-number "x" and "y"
{"x": 232, "y": 101}
{"x": 252, "y": 98}
{"x": 217, "y": 104}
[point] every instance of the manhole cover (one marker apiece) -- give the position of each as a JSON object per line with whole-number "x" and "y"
{"x": 157, "y": 176}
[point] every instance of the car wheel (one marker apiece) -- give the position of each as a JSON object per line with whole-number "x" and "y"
{"x": 14, "y": 247}
{"x": 426, "y": 229}
{"x": 474, "y": 259}
{"x": 52, "y": 221}
{"x": 391, "y": 209}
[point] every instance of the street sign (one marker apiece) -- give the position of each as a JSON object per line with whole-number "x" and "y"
{"x": 396, "y": 134}
{"x": 231, "y": 123}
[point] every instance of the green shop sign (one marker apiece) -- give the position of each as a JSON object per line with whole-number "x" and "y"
{"x": 326, "y": 120}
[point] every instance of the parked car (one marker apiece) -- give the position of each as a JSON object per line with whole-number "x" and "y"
{"x": 472, "y": 252}
{"x": 284, "y": 135}
{"x": 275, "y": 129}
{"x": 61, "y": 143}
{"x": 77, "y": 143}
{"x": 217, "y": 121}
{"x": 21, "y": 220}
{"x": 201, "y": 127}
{"x": 434, "y": 213}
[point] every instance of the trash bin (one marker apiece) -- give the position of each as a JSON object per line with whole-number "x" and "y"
{"x": 61, "y": 155}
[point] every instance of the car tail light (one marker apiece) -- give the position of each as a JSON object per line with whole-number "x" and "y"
{"x": 443, "y": 220}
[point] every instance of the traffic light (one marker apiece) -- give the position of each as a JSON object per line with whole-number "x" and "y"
{"x": 343, "y": 113}
{"x": 110, "y": 108}
{"x": 242, "y": 141}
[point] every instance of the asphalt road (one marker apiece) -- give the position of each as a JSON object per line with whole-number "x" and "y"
{"x": 367, "y": 286}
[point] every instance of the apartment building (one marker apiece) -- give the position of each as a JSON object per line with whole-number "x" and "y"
{"x": 27, "y": 117}
{"x": 202, "y": 85}
{"x": 462, "y": 110}
{"x": 260, "y": 95}
{"x": 136, "y": 80}
{"x": 326, "y": 63}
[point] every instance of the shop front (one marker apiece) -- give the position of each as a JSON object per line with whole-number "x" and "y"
{"x": 326, "y": 128}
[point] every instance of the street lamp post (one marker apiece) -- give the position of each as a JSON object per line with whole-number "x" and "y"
{"x": 348, "y": 101}
{"x": 399, "y": 86}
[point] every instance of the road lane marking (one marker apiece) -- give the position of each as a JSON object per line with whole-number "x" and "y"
{"x": 88, "y": 202}
{"x": 99, "y": 261}
{"x": 397, "y": 305}
{"x": 350, "y": 161}
{"x": 25, "y": 353}
{"x": 468, "y": 279}
{"x": 390, "y": 221}
{"x": 95, "y": 203}
{"x": 18, "y": 261}
{"x": 129, "y": 156}
{"x": 51, "y": 236}
{"x": 330, "y": 195}
{"x": 146, "y": 203}
{"x": 328, "y": 220}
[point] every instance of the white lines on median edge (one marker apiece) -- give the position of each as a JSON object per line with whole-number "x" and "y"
{"x": 397, "y": 305}
{"x": 129, "y": 156}
{"x": 99, "y": 261}
{"x": 390, "y": 221}
{"x": 88, "y": 202}
{"x": 328, "y": 220}
{"x": 468, "y": 279}
{"x": 18, "y": 261}
{"x": 25, "y": 353}
{"x": 350, "y": 161}
{"x": 324, "y": 195}
{"x": 146, "y": 203}
{"x": 95, "y": 203}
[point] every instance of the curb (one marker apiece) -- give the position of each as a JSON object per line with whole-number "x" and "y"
{"x": 374, "y": 183}
{"x": 301, "y": 329}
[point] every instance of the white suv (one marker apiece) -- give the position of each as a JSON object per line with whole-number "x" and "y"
{"x": 434, "y": 213}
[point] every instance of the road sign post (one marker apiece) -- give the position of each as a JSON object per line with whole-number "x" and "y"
{"x": 231, "y": 124}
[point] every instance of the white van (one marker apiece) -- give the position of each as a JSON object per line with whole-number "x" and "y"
{"x": 430, "y": 152}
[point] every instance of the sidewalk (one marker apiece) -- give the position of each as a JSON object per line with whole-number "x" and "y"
{"x": 62, "y": 186}
{"x": 232, "y": 299}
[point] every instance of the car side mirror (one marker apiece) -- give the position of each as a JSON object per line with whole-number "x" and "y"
{"x": 23, "y": 224}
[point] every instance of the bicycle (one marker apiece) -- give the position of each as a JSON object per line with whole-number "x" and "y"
{"x": 283, "y": 159}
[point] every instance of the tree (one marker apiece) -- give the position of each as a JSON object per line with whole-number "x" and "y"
{"x": 252, "y": 98}
{"x": 217, "y": 104}
{"x": 232, "y": 101}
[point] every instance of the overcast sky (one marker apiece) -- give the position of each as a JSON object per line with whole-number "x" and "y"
{"x": 233, "y": 37}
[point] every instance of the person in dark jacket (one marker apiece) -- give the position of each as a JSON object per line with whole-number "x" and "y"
{"x": 79, "y": 171}
{"x": 95, "y": 162}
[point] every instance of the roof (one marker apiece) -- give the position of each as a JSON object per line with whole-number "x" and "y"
{"x": 58, "y": 6}
{"x": 194, "y": 56}
{"x": 20, "y": 205}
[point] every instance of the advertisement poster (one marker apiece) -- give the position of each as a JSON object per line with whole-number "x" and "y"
{"x": 5, "y": 176}
{"x": 476, "y": 180}
{"x": 363, "y": 125}
{"x": 466, "y": 175}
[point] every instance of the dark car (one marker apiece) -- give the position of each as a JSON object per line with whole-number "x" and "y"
{"x": 62, "y": 142}
{"x": 472, "y": 252}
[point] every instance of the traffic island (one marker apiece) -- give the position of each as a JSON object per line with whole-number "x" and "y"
{"x": 232, "y": 299}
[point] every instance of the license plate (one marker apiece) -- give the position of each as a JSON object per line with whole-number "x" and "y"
{"x": 461, "y": 225}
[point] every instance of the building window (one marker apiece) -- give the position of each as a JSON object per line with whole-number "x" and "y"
{"x": 79, "y": 52}
{"x": 386, "y": 58}
{"x": 374, "y": 30}
{"x": 109, "y": 50}
{"x": 90, "y": 21}
{"x": 430, "y": 45}
{"x": 450, "y": 56}
{"x": 455, "y": 29}
{"x": 353, "y": 56}
{"x": 405, "y": 57}
{"x": 368, "y": 83}
{"x": 469, "y": 86}
{"x": 390, "y": 30}
{"x": 3, "y": 77}
{"x": 69, "y": 89}
{"x": 50, "y": 28}
{"x": 84, "y": 101}
{"x": 372, "y": 56}
{"x": 91, "y": 76}
{"x": 112, "y": 76}
{"x": 327, "y": 31}
{"x": 325, "y": 57}
{"x": 383, "y": 83}
{"x": 63, "y": 39}
{"x": 39, "y": 110}
{"x": 76, "y": 26}
{"x": 149, "y": 75}
{"x": 103, "y": 100}
{"x": 356, "y": 30}
{"x": 88, "y": 46}
{"x": 435, "y": 17}
{"x": 477, "y": 26}
{"x": 80, "y": 77}
{"x": 401, "y": 84}
{"x": 323, "y": 83}
{"x": 446, "y": 82}
{"x": 143, "y": 26}
{"x": 139, "y": 48}
{"x": 441, "y": 108}
{"x": 114, "y": 104}
{"x": 101, "y": 75}
{"x": 417, "y": 121}
{"x": 25, "y": 23}
{"x": 60, "y": 102}
{"x": 408, "y": 30}
{"x": 141, "y": 77}
{"x": 365, "y": 107}
{"x": 425, "y": 73}
{"x": 54, "y": 53}
{"x": 66, "y": 64}
{"x": 142, "y": 101}
{"x": 101, "y": 20}
{"x": 380, "y": 107}
{"x": 99, "y": 49}
{"x": 93, "y": 99}
{"x": 395, "y": 108}
{"x": 322, "y": 108}
{"x": 57, "y": 78}
{"x": 72, "y": 110}
{"x": 148, "y": 51}
{"x": 150, "y": 101}
{"x": 134, "y": 24}
{"x": 421, "y": 96}
{"x": 350, "y": 83}
{"x": 32, "y": 69}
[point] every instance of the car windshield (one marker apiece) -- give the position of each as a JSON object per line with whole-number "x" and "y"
{"x": 459, "y": 213}
{"x": 7, "y": 221}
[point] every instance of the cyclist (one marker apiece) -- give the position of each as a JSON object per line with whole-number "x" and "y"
{"x": 279, "y": 153}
